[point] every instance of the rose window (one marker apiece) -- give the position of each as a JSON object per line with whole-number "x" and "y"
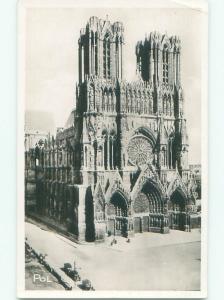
{"x": 140, "y": 151}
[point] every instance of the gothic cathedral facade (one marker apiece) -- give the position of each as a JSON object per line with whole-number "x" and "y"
{"x": 121, "y": 166}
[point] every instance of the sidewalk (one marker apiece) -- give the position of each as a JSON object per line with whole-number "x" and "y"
{"x": 151, "y": 240}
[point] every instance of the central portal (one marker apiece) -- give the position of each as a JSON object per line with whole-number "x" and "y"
{"x": 117, "y": 215}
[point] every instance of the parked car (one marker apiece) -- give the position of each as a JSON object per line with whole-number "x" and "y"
{"x": 72, "y": 273}
{"x": 87, "y": 285}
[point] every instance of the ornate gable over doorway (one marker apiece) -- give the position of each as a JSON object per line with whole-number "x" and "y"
{"x": 176, "y": 183}
{"x": 115, "y": 184}
{"x": 149, "y": 173}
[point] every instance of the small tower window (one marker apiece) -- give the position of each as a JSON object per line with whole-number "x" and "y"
{"x": 165, "y": 65}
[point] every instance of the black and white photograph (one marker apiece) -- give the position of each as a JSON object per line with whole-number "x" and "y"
{"x": 112, "y": 197}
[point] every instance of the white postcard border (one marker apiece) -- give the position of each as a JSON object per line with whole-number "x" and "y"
{"x": 21, "y": 38}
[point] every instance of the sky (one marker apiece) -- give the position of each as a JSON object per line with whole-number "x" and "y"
{"x": 52, "y": 56}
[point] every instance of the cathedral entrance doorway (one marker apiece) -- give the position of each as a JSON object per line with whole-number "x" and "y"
{"x": 177, "y": 210}
{"x": 117, "y": 212}
{"x": 148, "y": 208}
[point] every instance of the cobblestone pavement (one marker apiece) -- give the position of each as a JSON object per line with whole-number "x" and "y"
{"x": 149, "y": 262}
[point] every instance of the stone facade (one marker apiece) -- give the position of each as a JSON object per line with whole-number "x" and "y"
{"x": 122, "y": 165}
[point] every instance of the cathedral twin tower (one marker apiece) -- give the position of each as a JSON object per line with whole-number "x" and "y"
{"x": 121, "y": 166}
{"x": 100, "y": 50}
{"x": 154, "y": 102}
{"x": 101, "y": 47}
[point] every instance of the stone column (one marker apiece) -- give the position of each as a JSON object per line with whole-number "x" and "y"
{"x": 141, "y": 224}
{"x": 97, "y": 54}
{"x": 84, "y": 157}
{"x": 118, "y": 60}
{"x": 100, "y": 58}
{"x": 178, "y": 61}
{"x": 93, "y": 54}
{"x": 108, "y": 152}
{"x": 187, "y": 222}
{"x": 90, "y": 64}
{"x": 160, "y": 65}
{"x": 156, "y": 64}
{"x": 131, "y": 227}
{"x": 175, "y": 67}
{"x": 112, "y": 153}
{"x": 170, "y": 67}
{"x": 122, "y": 158}
{"x": 80, "y": 62}
{"x": 165, "y": 222}
{"x": 121, "y": 61}
{"x": 102, "y": 154}
{"x": 151, "y": 65}
{"x": 112, "y": 60}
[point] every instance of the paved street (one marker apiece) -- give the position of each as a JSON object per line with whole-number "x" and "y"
{"x": 150, "y": 262}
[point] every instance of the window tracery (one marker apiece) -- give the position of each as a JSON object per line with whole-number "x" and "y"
{"x": 140, "y": 150}
{"x": 106, "y": 56}
{"x": 165, "y": 64}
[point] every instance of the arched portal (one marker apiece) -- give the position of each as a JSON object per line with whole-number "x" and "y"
{"x": 148, "y": 208}
{"x": 178, "y": 201}
{"x": 117, "y": 215}
{"x": 176, "y": 207}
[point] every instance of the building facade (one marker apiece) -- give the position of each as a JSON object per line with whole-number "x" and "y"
{"x": 33, "y": 138}
{"x": 121, "y": 164}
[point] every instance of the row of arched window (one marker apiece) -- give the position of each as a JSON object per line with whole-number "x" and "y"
{"x": 167, "y": 155}
{"x": 49, "y": 158}
{"x": 139, "y": 105}
{"x": 103, "y": 100}
{"x": 57, "y": 158}
{"x": 107, "y": 56}
{"x": 105, "y": 154}
{"x": 149, "y": 55}
{"x": 109, "y": 102}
